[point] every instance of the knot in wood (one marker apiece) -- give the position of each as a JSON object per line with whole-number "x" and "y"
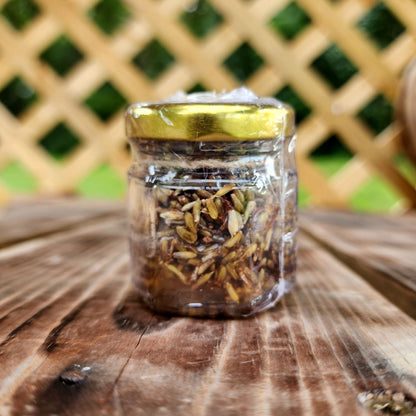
{"x": 74, "y": 374}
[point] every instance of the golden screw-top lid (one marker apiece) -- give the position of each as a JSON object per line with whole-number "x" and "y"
{"x": 210, "y": 121}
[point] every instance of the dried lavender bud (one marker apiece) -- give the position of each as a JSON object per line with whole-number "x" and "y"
{"x": 188, "y": 206}
{"x": 225, "y": 189}
{"x": 234, "y": 222}
{"x": 172, "y": 215}
{"x": 233, "y": 240}
{"x": 231, "y": 291}
{"x": 251, "y": 205}
{"x": 237, "y": 203}
{"x": 176, "y": 271}
{"x": 189, "y": 222}
{"x": 212, "y": 208}
{"x": 196, "y": 211}
{"x": 186, "y": 235}
{"x": 203, "y": 279}
{"x": 184, "y": 255}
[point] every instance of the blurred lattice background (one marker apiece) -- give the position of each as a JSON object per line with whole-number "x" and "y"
{"x": 69, "y": 67}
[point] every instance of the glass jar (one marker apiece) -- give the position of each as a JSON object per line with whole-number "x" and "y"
{"x": 212, "y": 204}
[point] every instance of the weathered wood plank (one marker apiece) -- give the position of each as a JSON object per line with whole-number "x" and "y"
{"x": 30, "y": 218}
{"x": 382, "y": 249}
{"x": 35, "y": 274}
{"x": 79, "y": 342}
{"x": 69, "y": 283}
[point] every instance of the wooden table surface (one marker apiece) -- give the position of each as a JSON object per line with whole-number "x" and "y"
{"x": 74, "y": 340}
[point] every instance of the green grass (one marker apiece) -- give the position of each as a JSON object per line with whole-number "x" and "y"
{"x": 330, "y": 164}
{"x": 303, "y": 197}
{"x": 103, "y": 182}
{"x": 375, "y": 195}
{"x": 17, "y": 179}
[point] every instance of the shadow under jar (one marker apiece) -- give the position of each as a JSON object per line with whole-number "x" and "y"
{"x": 212, "y": 205}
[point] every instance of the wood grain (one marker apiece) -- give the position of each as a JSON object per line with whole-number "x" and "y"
{"x": 380, "y": 248}
{"x": 75, "y": 340}
{"x": 29, "y": 218}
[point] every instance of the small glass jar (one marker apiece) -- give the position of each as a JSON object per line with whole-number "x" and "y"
{"x": 212, "y": 204}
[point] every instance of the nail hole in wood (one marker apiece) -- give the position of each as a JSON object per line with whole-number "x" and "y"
{"x": 74, "y": 374}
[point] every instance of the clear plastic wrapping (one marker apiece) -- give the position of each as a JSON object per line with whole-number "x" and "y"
{"x": 213, "y": 216}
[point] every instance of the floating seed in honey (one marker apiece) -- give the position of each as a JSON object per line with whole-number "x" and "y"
{"x": 203, "y": 279}
{"x": 231, "y": 291}
{"x": 176, "y": 271}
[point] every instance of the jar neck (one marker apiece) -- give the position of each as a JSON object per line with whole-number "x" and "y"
{"x": 197, "y": 150}
{"x": 199, "y": 164}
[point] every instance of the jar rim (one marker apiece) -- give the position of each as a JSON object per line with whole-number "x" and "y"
{"x": 210, "y": 121}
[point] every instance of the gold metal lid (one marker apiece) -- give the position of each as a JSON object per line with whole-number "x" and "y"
{"x": 217, "y": 121}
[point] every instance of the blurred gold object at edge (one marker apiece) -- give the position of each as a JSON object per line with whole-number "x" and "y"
{"x": 209, "y": 122}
